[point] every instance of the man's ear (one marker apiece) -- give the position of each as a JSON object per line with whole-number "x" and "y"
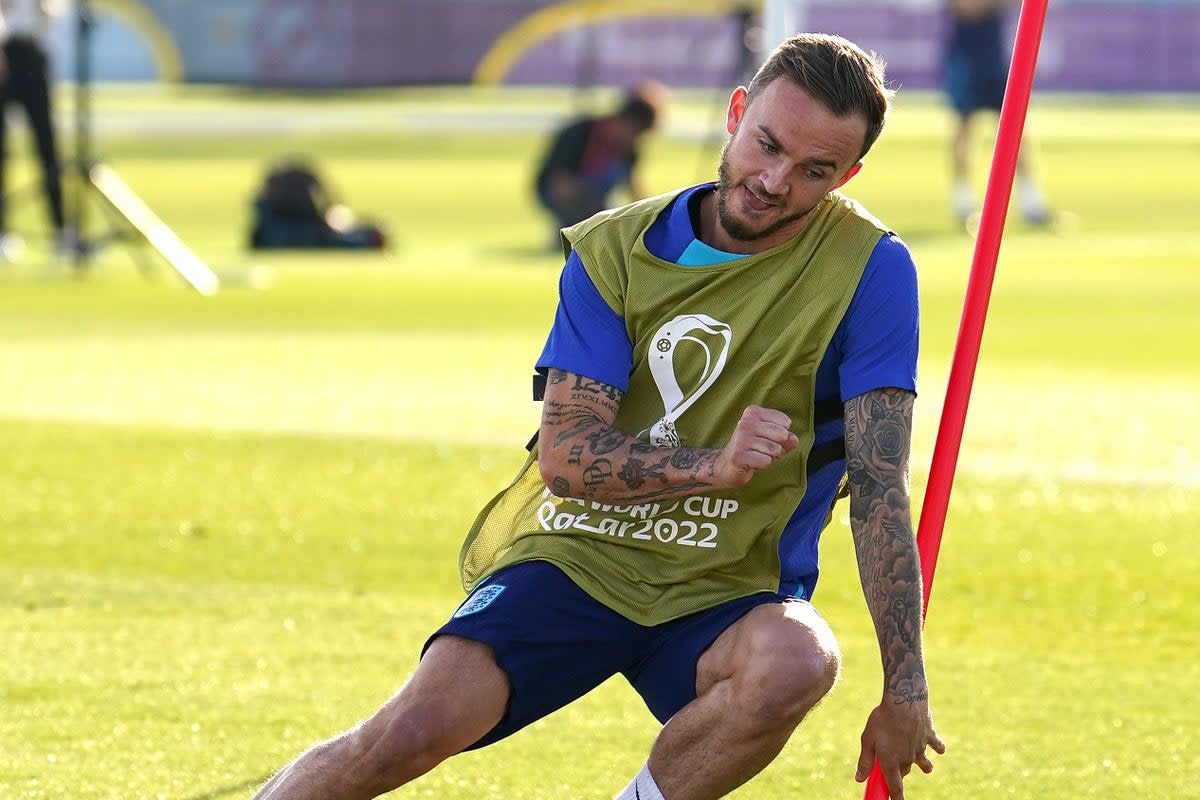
{"x": 850, "y": 173}
{"x": 737, "y": 107}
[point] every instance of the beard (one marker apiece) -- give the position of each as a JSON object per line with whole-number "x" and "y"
{"x": 733, "y": 226}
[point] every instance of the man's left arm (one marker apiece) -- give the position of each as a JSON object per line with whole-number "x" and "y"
{"x": 878, "y": 442}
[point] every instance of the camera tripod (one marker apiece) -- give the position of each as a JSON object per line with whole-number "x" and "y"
{"x": 128, "y": 215}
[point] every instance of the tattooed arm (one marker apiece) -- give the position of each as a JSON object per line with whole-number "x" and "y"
{"x": 878, "y": 438}
{"x": 582, "y": 455}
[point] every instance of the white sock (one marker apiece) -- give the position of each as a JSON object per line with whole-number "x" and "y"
{"x": 963, "y": 199}
{"x": 1033, "y": 204}
{"x": 642, "y": 787}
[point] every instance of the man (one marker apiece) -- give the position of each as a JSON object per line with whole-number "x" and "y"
{"x": 975, "y": 72}
{"x": 24, "y": 78}
{"x": 591, "y": 158}
{"x": 697, "y": 338}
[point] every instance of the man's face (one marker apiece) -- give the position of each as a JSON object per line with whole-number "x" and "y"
{"x": 786, "y": 152}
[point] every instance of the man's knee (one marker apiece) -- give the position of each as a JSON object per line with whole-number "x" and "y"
{"x": 784, "y": 664}
{"x": 382, "y": 755}
{"x": 456, "y": 696}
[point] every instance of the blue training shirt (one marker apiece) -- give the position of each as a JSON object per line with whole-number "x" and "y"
{"x": 874, "y": 347}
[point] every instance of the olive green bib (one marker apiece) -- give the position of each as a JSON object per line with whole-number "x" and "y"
{"x": 707, "y": 342}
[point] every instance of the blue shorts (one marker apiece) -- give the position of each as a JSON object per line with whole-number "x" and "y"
{"x": 973, "y": 86}
{"x": 556, "y": 643}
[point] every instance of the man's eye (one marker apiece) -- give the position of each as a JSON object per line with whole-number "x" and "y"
{"x": 767, "y": 147}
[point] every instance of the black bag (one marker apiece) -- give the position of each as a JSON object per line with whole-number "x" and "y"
{"x": 293, "y": 208}
{"x": 294, "y": 191}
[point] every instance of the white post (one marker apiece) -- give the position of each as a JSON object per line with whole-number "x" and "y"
{"x": 782, "y": 18}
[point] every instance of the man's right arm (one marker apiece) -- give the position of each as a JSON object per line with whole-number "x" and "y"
{"x": 581, "y": 453}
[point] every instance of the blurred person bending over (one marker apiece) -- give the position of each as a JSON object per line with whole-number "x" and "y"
{"x": 25, "y": 79}
{"x": 975, "y": 73}
{"x": 721, "y": 356}
{"x": 592, "y": 157}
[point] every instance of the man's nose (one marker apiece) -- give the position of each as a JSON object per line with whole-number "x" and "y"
{"x": 774, "y": 179}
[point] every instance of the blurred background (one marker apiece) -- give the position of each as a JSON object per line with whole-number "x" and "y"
{"x": 274, "y": 73}
{"x": 1088, "y": 45}
{"x": 256, "y": 70}
{"x": 229, "y": 517}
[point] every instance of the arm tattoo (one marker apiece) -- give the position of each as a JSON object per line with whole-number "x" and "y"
{"x": 685, "y": 458}
{"x": 636, "y": 472}
{"x": 569, "y": 420}
{"x": 878, "y": 438}
{"x": 604, "y": 463}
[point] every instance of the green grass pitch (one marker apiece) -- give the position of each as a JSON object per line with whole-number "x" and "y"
{"x": 228, "y": 524}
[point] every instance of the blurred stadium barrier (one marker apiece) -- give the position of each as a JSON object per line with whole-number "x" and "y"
{"x": 1089, "y": 45}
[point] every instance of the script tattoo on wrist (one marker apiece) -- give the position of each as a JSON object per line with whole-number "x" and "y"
{"x": 878, "y": 436}
{"x": 685, "y": 458}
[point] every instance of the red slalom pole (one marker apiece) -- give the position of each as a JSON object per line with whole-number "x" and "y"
{"x": 979, "y": 288}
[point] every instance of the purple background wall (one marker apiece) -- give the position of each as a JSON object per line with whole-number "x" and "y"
{"x": 1116, "y": 47}
{"x": 1104, "y": 46}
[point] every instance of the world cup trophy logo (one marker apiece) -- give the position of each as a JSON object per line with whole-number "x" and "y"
{"x": 690, "y": 350}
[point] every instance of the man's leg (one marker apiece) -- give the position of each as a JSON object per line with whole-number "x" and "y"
{"x": 456, "y": 695}
{"x": 753, "y": 685}
{"x": 1034, "y": 207}
{"x": 5, "y": 96}
{"x": 36, "y": 97}
{"x": 962, "y": 192}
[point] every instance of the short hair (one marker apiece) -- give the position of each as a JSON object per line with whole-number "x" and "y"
{"x": 639, "y": 111}
{"x": 835, "y": 71}
{"x": 641, "y": 104}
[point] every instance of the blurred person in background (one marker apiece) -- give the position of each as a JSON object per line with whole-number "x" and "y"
{"x": 975, "y": 73}
{"x": 25, "y": 79}
{"x": 725, "y": 358}
{"x": 591, "y": 158}
{"x": 295, "y": 208}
